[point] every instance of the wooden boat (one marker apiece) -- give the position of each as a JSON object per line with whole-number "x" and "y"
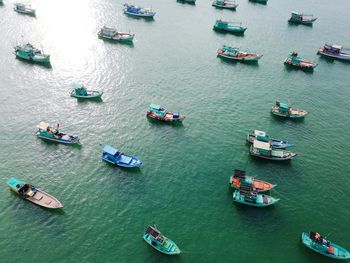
{"x": 262, "y": 136}
{"x": 33, "y": 194}
{"x": 30, "y": 53}
{"x": 157, "y": 112}
{"x": 160, "y": 242}
{"x": 264, "y": 2}
{"x": 316, "y": 242}
{"x": 335, "y": 51}
{"x": 239, "y": 178}
{"x": 284, "y": 110}
{"x": 48, "y": 133}
{"x": 235, "y": 54}
{"x": 24, "y": 9}
{"x": 137, "y": 11}
{"x": 80, "y": 92}
{"x": 265, "y": 151}
{"x": 114, "y": 156}
{"x": 304, "y": 19}
{"x": 246, "y": 196}
{"x": 225, "y": 4}
{"x": 298, "y": 62}
{"x": 113, "y": 34}
{"x": 231, "y": 27}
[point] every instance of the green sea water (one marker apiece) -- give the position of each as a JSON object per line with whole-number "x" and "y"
{"x": 182, "y": 186}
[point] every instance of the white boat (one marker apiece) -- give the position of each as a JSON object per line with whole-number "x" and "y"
{"x": 24, "y": 9}
{"x": 113, "y": 34}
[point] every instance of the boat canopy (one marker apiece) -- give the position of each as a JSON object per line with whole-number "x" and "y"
{"x": 154, "y": 106}
{"x": 259, "y": 133}
{"x": 261, "y": 145}
{"x": 152, "y": 232}
{"x": 14, "y": 182}
{"x": 43, "y": 125}
{"x": 110, "y": 150}
{"x": 284, "y": 107}
{"x": 277, "y": 153}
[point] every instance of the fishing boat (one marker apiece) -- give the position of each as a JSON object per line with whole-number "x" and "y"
{"x": 24, "y": 9}
{"x": 33, "y": 194}
{"x": 287, "y": 111}
{"x": 259, "y": 1}
{"x": 160, "y": 242}
{"x": 80, "y": 92}
{"x": 29, "y": 52}
{"x": 246, "y": 196}
{"x": 298, "y": 62}
{"x": 192, "y": 2}
{"x": 114, "y": 156}
{"x": 335, "y": 51}
{"x": 225, "y": 4}
{"x": 157, "y": 112}
{"x": 320, "y": 244}
{"x": 113, "y": 34}
{"x": 46, "y": 132}
{"x": 231, "y": 27}
{"x": 265, "y": 151}
{"x": 304, "y": 19}
{"x": 263, "y": 137}
{"x": 239, "y": 178}
{"x": 134, "y": 10}
{"x": 236, "y": 54}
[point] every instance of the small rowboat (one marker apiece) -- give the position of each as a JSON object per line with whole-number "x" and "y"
{"x": 234, "y": 53}
{"x": 335, "y": 51}
{"x": 24, "y": 9}
{"x": 30, "y": 53}
{"x": 81, "y": 92}
{"x": 137, "y": 11}
{"x": 262, "y": 136}
{"x": 298, "y": 62}
{"x": 323, "y": 246}
{"x": 239, "y": 178}
{"x": 113, "y": 34}
{"x": 48, "y": 133}
{"x": 113, "y": 156}
{"x": 160, "y": 242}
{"x": 231, "y": 27}
{"x": 225, "y": 4}
{"x": 33, "y": 194}
{"x": 265, "y": 151}
{"x": 252, "y": 198}
{"x": 304, "y": 19}
{"x": 284, "y": 110}
{"x": 157, "y": 112}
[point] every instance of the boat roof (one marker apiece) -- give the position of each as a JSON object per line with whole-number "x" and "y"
{"x": 296, "y": 13}
{"x": 337, "y": 46}
{"x": 154, "y": 106}
{"x": 261, "y": 145}
{"x": 43, "y": 125}
{"x": 283, "y": 105}
{"x": 152, "y": 231}
{"x": 259, "y": 133}
{"x": 14, "y": 182}
{"x": 110, "y": 149}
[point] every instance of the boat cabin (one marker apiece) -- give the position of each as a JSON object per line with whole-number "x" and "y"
{"x": 155, "y": 233}
{"x": 157, "y": 109}
{"x": 80, "y": 90}
{"x": 263, "y": 148}
{"x": 333, "y": 48}
{"x": 283, "y": 107}
{"x": 45, "y": 129}
{"x": 111, "y": 151}
{"x": 261, "y": 136}
{"x": 109, "y": 32}
{"x": 26, "y": 190}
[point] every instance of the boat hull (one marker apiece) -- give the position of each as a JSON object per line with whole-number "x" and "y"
{"x": 36, "y": 58}
{"x": 137, "y": 163}
{"x": 165, "y": 118}
{"x": 176, "y": 250}
{"x": 258, "y": 185}
{"x": 92, "y": 94}
{"x": 343, "y": 253}
{"x": 151, "y": 15}
{"x": 248, "y": 58}
{"x": 77, "y": 141}
{"x": 238, "y": 31}
{"x": 225, "y": 6}
{"x": 268, "y": 200}
{"x": 125, "y": 38}
{"x": 25, "y": 12}
{"x": 304, "y": 65}
{"x": 340, "y": 56}
{"x": 254, "y": 153}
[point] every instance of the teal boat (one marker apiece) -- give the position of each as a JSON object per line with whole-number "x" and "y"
{"x": 80, "y": 92}
{"x": 231, "y": 27}
{"x": 192, "y": 2}
{"x": 287, "y": 111}
{"x": 159, "y": 242}
{"x": 30, "y": 53}
{"x": 245, "y": 195}
{"x": 225, "y": 4}
{"x": 24, "y": 9}
{"x": 259, "y": 1}
{"x": 48, "y": 133}
{"x": 316, "y": 242}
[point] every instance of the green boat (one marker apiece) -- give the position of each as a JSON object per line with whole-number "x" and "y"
{"x": 29, "y": 52}
{"x": 225, "y": 4}
{"x": 259, "y": 1}
{"x": 245, "y": 195}
{"x": 231, "y": 27}
{"x": 316, "y": 242}
{"x": 80, "y": 92}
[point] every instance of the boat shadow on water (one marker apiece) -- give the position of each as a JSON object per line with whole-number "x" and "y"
{"x": 263, "y": 162}
{"x": 254, "y": 2}
{"x": 290, "y": 68}
{"x": 116, "y": 42}
{"x": 92, "y": 100}
{"x": 124, "y": 170}
{"x": 292, "y": 24}
{"x": 146, "y": 19}
{"x": 224, "y": 32}
{"x": 161, "y": 123}
{"x": 184, "y": 2}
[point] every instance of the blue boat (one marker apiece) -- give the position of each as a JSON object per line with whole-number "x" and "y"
{"x": 114, "y": 156}
{"x": 46, "y": 132}
{"x": 263, "y": 137}
{"x": 159, "y": 242}
{"x": 246, "y": 196}
{"x": 316, "y": 242}
{"x": 134, "y": 10}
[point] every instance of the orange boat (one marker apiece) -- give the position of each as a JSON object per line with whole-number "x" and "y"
{"x": 240, "y": 179}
